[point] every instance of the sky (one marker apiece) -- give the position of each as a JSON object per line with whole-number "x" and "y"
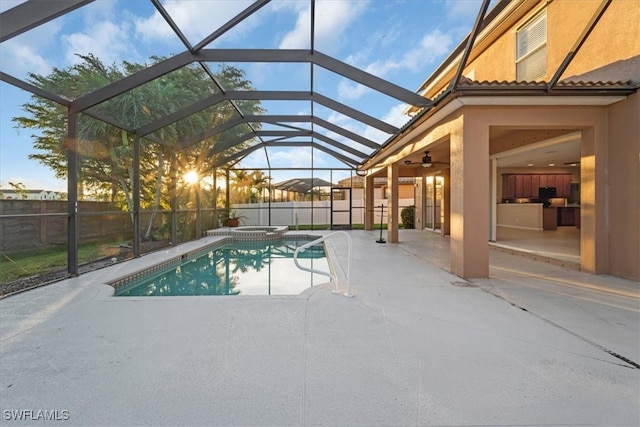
{"x": 402, "y": 41}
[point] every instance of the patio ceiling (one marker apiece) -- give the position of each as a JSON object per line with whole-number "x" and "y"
{"x": 285, "y": 130}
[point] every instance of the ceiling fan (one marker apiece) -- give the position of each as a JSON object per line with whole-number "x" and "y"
{"x": 426, "y": 161}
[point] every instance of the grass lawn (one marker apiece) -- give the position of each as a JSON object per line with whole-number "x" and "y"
{"x": 31, "y": 262}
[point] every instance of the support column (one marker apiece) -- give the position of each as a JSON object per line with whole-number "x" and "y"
{"x": 136, "y": 197}
{"x": 418, "y": 195}
{"x": 196, "y": 187}
{"x": 215, "y": 198}
{"x": 369, "y": 201}
{"x": 469, "y": 201}
{"x": 392, "y": 203}
{"x": 271, "y": 194}
{"x": 493, "y": 199}
{"x": 445, "y": 203}
{"x": 72, "y": 193}
{"x": 227, "y": 202}
{"x": 594, "y": 244}
{"x": 174, "y": 201}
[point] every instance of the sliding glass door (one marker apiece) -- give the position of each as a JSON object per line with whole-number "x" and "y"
{"x": 433, "y": 202}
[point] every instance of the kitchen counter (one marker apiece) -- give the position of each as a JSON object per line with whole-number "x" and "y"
{"x": 520, "y": 215}
{"x": 550, "y": 218}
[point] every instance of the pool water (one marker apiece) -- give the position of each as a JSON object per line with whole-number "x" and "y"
{"x": 238, "y": 268}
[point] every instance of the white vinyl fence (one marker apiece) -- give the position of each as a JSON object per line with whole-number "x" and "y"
{"x": 317, "y": 212}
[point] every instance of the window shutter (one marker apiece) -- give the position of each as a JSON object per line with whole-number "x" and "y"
{"x": 533, "y": 67}
{"x": 531, "y": 49}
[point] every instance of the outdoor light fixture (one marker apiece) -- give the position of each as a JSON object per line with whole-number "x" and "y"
{"x": 361, "y": 172}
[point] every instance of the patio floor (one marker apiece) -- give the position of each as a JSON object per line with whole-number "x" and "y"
{"x": 536, "y": 344}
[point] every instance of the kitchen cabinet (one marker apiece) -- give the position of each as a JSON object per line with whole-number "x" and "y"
{"x": 535, "y": 184}
{"x": 551, "y": 182}
{"x": 543, "y": 181}
{"x": 550, "y": 218}
{"x": 527, "y": 190}
{"x": 516, "y": 186}
{"x": 519, "y": 185}
{"x": 564, "y": 185}
{"x": 569, "y": 216}
{"x": 509, "y": 182}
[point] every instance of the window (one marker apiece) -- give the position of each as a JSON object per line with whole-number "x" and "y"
{"x": 531, "y": 49}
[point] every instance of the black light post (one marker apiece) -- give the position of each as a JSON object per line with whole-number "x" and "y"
{"x": 381, "y": 240}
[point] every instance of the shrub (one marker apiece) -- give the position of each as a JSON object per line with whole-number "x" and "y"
{"x": 408, "y": 216}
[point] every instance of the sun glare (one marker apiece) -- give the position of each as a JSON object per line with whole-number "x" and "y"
{"x": 191, "y": 177}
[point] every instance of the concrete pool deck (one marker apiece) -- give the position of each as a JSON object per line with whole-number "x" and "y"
{"x": 536, "y": 344}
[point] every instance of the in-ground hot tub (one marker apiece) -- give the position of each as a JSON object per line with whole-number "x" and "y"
{"x": 251, "y": 232}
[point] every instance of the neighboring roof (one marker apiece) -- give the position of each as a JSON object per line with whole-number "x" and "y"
{"x": 301, "y": 185}
{"x": 11, "y": 190}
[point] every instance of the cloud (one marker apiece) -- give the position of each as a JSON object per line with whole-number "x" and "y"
{"x": 350, "y": 90}
{"x": 101, "y": 33}
{"x": 26, "y": 53}
{"x": 196, "y": 19}
{"x": 462, "y": 11}
{"x": 394, "y": 116}
{"x": 460, "y": 16}
{"x": 293, "y": 157}
{"x": 18, "y": 59}
{"x": 298, "y": 38}
{"x": 106, "y": 40}
{"x": 343, "y": 121}
{"x": 332, "y": 18}
{"x": 431, "y": 48}
{"x": 356, "y": 127}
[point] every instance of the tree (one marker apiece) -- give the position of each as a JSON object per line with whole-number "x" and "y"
{"x": 247, "y": 187}
{"x": 20, "y": 189}
{"x": 259, "y": 182}
{"x": 106, "y": 152}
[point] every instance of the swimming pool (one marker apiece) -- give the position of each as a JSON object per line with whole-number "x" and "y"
{"x": 236, "y": 268}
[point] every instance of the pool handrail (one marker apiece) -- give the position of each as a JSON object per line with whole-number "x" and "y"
{"x": 333, "y": 277}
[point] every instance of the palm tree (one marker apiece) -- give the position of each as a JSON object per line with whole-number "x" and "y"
{"x": 259, "y": 181}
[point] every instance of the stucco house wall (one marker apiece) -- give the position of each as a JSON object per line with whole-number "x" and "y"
{"x": 482, "y": 119}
